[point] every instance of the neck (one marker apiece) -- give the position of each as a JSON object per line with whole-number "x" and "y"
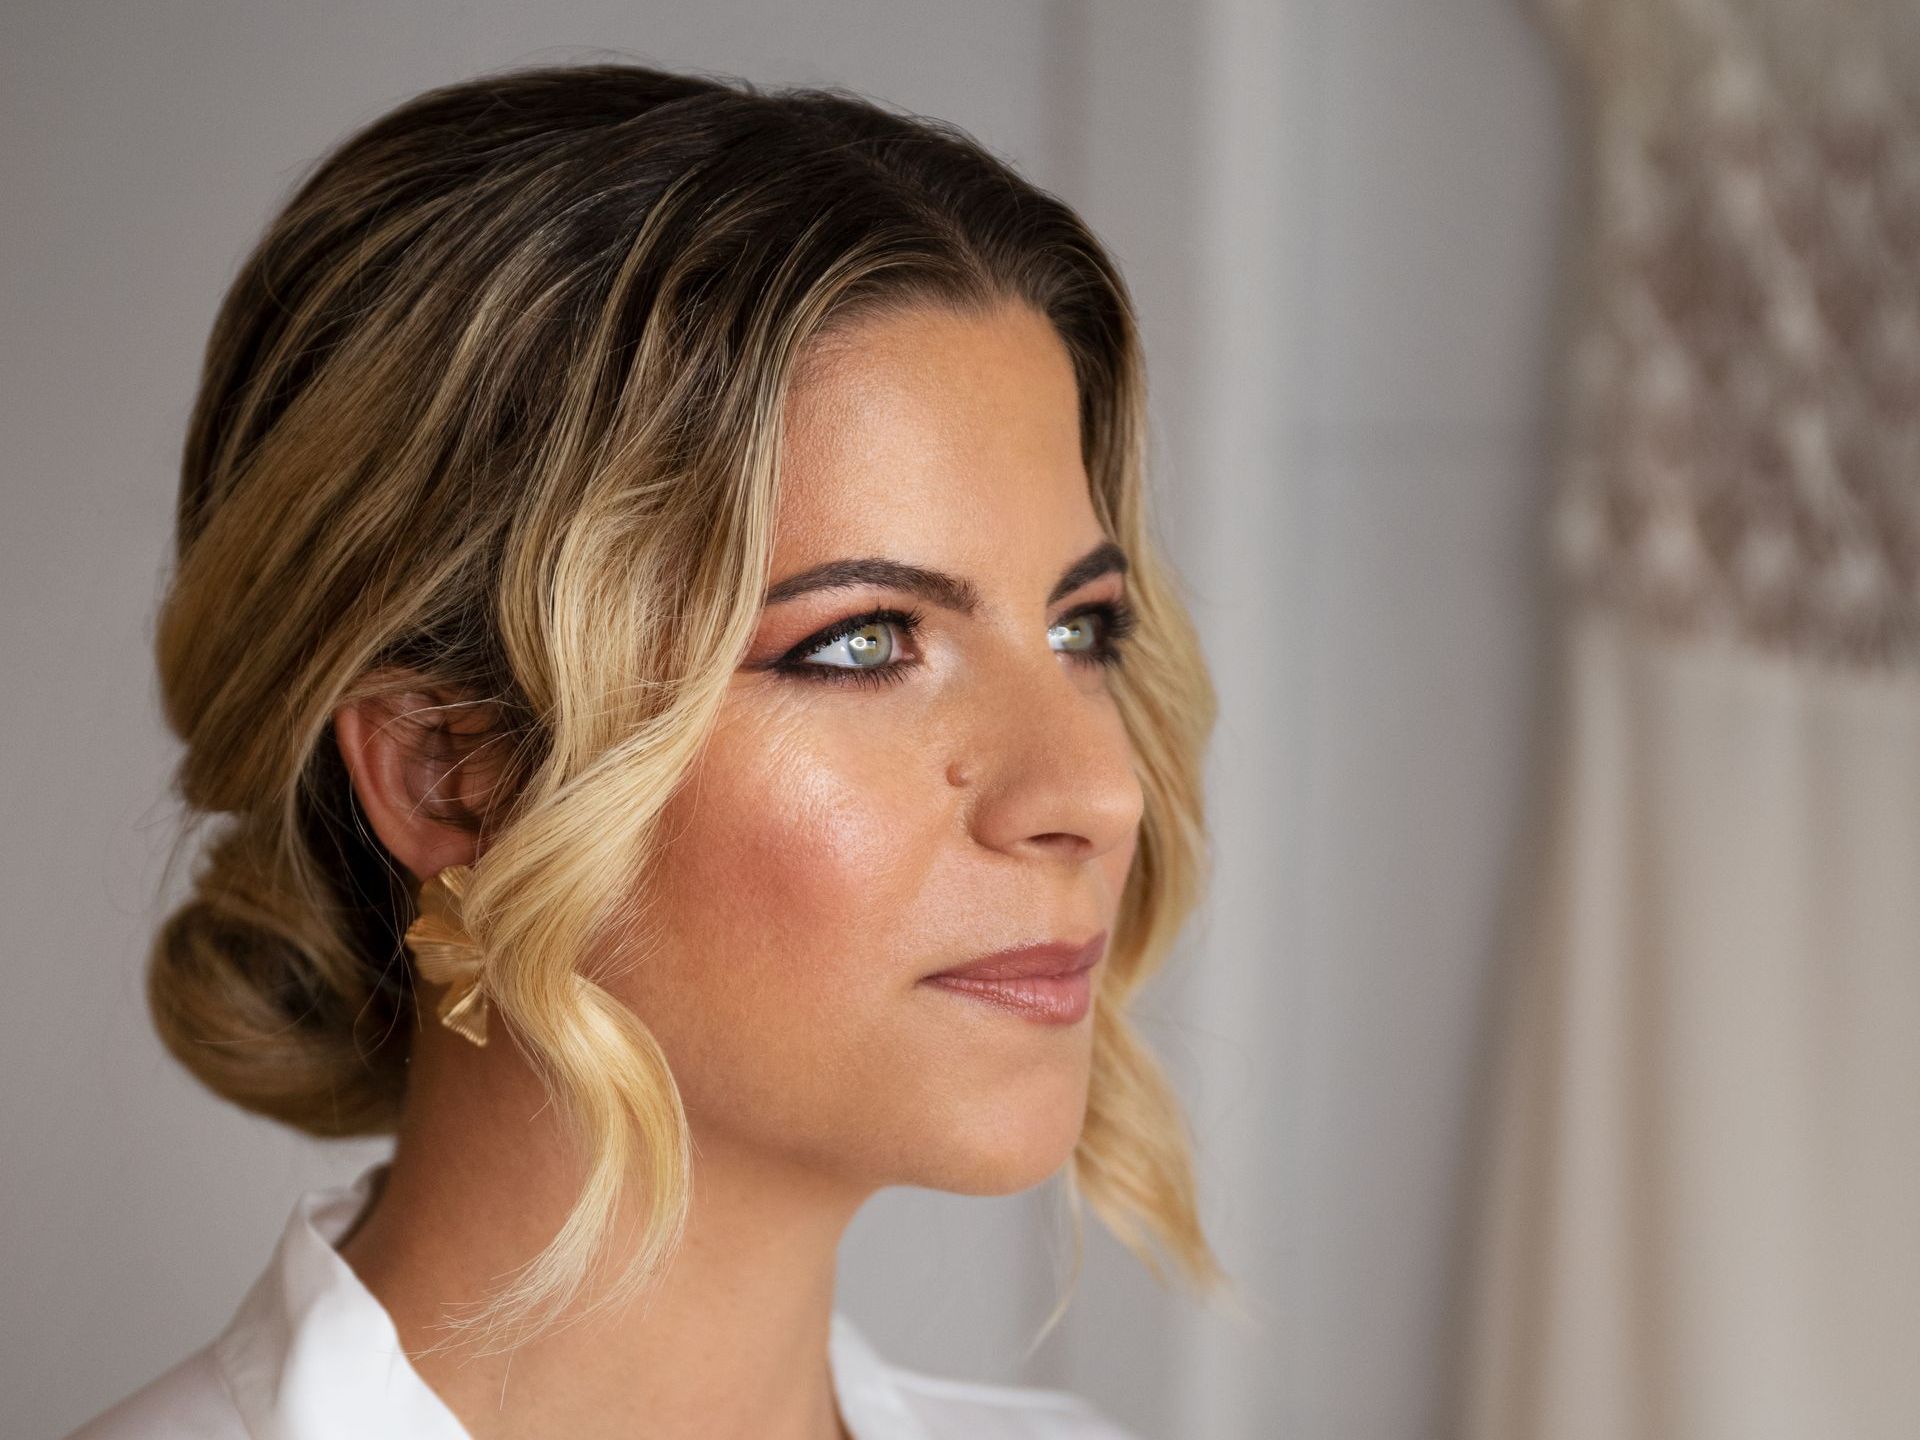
{"x": 732, "y": 1340}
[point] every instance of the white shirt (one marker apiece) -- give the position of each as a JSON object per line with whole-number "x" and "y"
{"x": 311, "y": 1354}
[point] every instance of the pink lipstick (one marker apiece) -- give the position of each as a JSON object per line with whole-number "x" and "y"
{"x": 1051, "y": 982}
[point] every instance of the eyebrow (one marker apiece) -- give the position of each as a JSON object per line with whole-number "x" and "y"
{"x": 952, "y": 592}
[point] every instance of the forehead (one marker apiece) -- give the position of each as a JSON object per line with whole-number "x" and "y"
{"x": 927, "y": 434}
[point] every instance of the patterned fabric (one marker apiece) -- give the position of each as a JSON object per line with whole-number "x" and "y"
{"x": 1741, "y": 451}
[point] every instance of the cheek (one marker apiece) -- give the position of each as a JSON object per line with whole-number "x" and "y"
{"x": 801, "y": 848}
{"x": 781, "y": 906}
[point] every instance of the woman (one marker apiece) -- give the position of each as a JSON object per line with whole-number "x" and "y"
{"x": 661, "y": 581}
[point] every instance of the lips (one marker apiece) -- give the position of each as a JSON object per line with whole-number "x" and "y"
{"x": 1028, "y": 962}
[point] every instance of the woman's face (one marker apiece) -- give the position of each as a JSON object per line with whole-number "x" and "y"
{"x": 911, "y": 798}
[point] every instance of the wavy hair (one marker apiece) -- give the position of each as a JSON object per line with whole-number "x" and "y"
{"x": 493, "y": 407}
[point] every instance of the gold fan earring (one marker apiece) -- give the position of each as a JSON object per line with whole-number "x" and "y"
{"x": 447, "y": 955}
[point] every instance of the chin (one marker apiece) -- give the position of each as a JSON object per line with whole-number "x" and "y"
{"x": 994, "y": 1152}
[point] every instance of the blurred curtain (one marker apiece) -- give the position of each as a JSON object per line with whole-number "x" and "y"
{"x": 1701, "y": 1216}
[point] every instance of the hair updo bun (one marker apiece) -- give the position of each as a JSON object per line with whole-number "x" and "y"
{"x": 274, "y": 1001}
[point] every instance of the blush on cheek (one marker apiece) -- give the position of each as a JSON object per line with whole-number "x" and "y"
{"x": 782, "y": 863}
{"x": 795, "y": 899}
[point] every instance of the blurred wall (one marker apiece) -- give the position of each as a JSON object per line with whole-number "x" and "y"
{"x": 1338, "y": 217}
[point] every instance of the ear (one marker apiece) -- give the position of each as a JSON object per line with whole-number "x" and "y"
{"x": 423, "y": 765}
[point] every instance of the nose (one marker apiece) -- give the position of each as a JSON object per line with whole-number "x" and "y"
{"x": 1050, "y": 761}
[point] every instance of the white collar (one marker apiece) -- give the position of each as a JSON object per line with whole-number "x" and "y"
{"x": 312, "y": 1354}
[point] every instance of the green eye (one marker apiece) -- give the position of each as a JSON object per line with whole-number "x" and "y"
{"x": 870, "y": 647}
{"x": 863, "y": 648}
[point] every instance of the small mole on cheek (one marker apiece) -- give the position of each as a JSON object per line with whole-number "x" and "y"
{"x": 956, "y": 773}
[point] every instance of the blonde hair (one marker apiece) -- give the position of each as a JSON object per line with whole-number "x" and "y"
{"x": 494, "y": 406}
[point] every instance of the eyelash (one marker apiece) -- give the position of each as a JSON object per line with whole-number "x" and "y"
{"x": 1117, "y": 621}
